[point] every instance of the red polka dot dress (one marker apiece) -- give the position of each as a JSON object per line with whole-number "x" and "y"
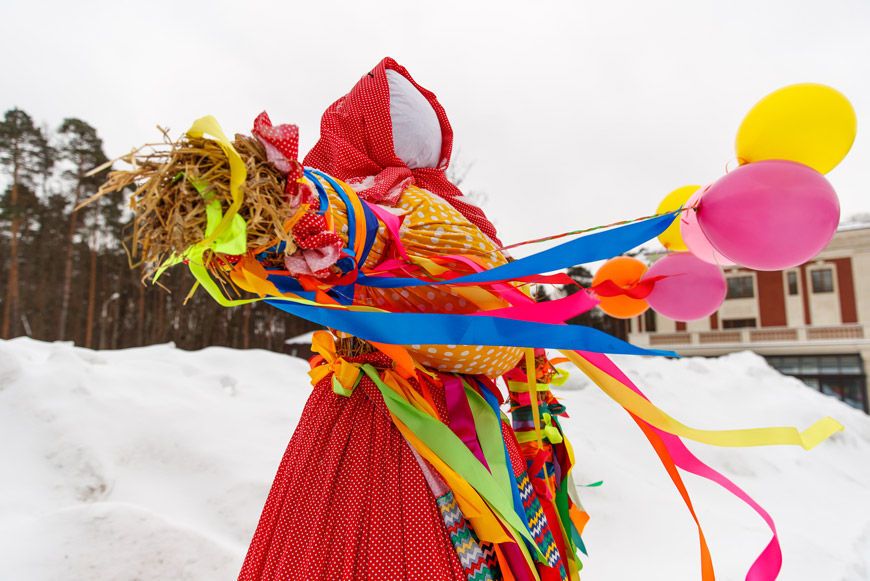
{"x": 350, "y": 501}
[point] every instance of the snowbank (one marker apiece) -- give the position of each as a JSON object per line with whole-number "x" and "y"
{"x": 154, "y": 463}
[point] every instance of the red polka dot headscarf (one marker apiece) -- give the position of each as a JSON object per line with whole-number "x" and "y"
{"x": 356, "y": 146}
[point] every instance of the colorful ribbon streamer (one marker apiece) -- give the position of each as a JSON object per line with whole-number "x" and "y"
{"x": 598, "y": 246}
{"x": 442, "y": 329}
{"x": 664, "y": 432}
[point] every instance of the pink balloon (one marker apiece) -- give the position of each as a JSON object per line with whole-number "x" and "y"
{"x": 694, "y": 237}
{"x": 770, "y": 215}
{"x": 693, "y": 290}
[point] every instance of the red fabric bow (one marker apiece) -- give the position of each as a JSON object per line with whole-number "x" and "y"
{"x": 319, "y": 248}
{"x": 356, "y": 145}
{"x": 282, "y": 149}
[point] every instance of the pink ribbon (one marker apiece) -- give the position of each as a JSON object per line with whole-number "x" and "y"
{"x": 769, "y": 563}
{"x": 392, "y": 222}
{"x": 516, "y": 561}
{"x": 553, "y": 312}
{"x": 460, "y": 419}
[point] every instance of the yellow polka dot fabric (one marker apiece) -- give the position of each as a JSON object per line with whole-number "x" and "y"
{"x": 432, "y": 227}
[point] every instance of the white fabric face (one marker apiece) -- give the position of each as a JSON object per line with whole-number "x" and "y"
{"x": 416, "y": 130}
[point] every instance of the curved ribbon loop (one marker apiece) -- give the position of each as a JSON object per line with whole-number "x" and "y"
{"x": 346, "y": 374}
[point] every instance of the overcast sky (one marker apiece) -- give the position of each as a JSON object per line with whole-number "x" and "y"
{"x": 574, "y": 114}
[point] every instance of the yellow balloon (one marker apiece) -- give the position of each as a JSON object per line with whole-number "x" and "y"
{"x": 808, "y": 123}
{"x": 671, "y": 238}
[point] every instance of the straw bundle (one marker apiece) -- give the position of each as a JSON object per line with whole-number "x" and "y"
{"x": 353, "y": 347}
{"x": 170, "y": 212}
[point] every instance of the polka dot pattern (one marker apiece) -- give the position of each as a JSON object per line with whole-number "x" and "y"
{"x": 432, "y": 227}
{"x": 281, "y": 144}
{"x": 356, "y": 145}
{"x": 349, "y": 501}
{"x": 319, "y": 248}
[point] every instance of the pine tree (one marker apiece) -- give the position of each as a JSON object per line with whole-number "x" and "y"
{"x": 82, "y": 149}
{"x": 24, "y": 154}
{"x": 41, "y": 263}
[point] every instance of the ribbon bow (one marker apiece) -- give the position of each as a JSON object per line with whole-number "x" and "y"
{"x": 550, "y": 431}
{"x": 346, "y": 374}
{"x": 224, "y": 233}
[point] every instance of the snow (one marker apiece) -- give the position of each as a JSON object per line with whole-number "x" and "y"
{"x": 154, "y": 464}
{"x": 303, "y": 338}
{"x": 858, "y": 225}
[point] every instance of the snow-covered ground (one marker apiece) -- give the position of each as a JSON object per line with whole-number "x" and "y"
{"x": 154, "y": 463}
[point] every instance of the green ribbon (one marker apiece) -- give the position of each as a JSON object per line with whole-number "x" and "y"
{"x": 524, "y": 413}
{"x": 453, "y": 451}
{"x": 563, "y": 507}
{"x": 224, "y": 233}
{"x": 232, "y": 240}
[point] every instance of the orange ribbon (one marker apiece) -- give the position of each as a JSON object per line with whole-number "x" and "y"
{"x": 346, "y": 375}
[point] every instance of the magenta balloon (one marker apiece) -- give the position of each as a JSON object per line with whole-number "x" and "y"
{"x": 770, "y": 215}
{"x": 694, "y": 237}
{"x": 693, "y": 290}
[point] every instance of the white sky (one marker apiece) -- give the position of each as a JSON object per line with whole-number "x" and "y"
{"x": 575, "y": 114}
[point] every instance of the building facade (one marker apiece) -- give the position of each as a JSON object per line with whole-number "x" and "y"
{"x": 812, "y": 321}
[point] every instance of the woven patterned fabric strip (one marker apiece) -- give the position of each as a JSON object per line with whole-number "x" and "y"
{"x": 478, "y": 559}
{"x": 538, "y": 524}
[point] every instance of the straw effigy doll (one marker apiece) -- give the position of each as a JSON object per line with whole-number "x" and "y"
{"x": 352, "y": 499}
{"x": 403, "y": 465}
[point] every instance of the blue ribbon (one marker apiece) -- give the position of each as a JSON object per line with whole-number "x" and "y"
{"x": 597, "y": 246}
{"x": 343, "y": 293}
{"x": 443, "y": 329}
{"x": 321, "y": 191}
{"x": 371, "y": 221}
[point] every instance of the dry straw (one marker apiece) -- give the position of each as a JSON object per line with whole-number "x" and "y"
{"x": 353, "y": 347}
{"x": 169, "y": 211}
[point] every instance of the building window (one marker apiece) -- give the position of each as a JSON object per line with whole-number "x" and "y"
{"x": 740, "y": 287}
{"x": 840, "y": 376}
{"x": 649, "y": 321}
{"x": 823, "y": 281}
{"x": 817, "y": 364}
{"x": 792, "y": 283}
{"x": 738, "y": 323}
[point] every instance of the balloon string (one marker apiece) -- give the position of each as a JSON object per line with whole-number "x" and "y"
{"x": 593, "y": 229}
{"x": 740, "y": 161}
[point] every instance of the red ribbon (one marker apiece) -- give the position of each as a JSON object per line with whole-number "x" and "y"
{"x": 641, "y": 290}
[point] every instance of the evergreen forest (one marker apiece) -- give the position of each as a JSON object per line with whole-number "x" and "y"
{"x": 65, "y": 275}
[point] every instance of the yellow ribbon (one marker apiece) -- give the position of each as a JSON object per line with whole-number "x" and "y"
{"x": 225, "y": 233}
{"x": 560, "y": 378}
{"x": 475, "y": 295}
{"x": 231, "y": 241}
{"x": 346, "y": 375}
{"x": 238, "y": 173}
{"x": 523, "y": 387}
{"x": 549, "y": 431}
{"x": 642, "y": 408}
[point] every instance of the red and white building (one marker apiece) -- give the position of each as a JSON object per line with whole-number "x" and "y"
{"x": 812, "y": 321}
